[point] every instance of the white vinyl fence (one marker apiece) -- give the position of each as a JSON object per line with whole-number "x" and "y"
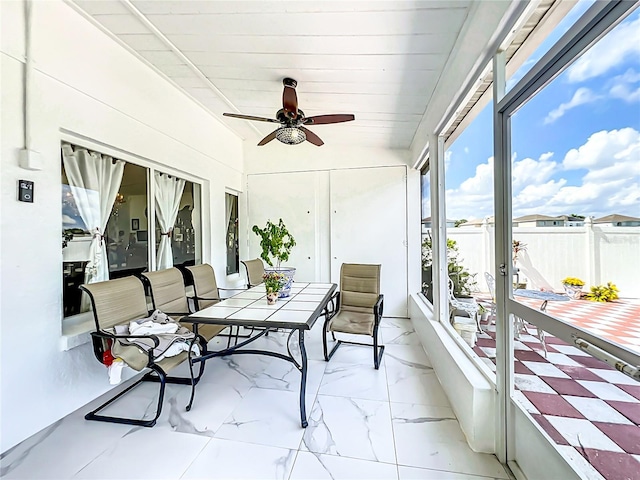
{"x": 592, "y": 253}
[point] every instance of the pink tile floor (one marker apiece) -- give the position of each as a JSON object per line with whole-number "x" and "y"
{"x": 580, "y": 401}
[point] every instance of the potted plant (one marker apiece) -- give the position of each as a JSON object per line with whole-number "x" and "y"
{"x": 463, "y": 281}
{"x": 483, "y": 312}
{"x": 573, "y": 287}
{"x": 276, "y": 243}
{"x": 273, "y": 283}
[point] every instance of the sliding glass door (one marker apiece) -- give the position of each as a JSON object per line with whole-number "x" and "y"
{"x": 568, "y": 237}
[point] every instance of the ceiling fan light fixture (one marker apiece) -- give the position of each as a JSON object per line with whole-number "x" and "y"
{"x": 290, "y": 135}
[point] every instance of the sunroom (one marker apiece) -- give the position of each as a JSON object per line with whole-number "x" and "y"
{"x": 468, "y": 115}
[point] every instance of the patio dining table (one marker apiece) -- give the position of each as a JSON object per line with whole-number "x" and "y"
{"x": 546, "y": 297}
{"x": 541, "y": 295}
{"x": 249, "y": 309}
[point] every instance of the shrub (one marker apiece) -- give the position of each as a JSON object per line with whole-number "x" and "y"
{"x": 603, "y": 293}
{"x": 463, "y": 281}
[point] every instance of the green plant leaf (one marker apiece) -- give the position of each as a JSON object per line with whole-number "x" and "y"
{"x": 276, "y": 242}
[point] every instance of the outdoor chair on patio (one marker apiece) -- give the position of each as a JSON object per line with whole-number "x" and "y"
{"x": 168, "y": 295}
{"x": 358, "y": 308}
{"x": 205, "y": 287}
{"x": 519, "y": 324}
{"x": 491, "y": 284}
{"x": 207, "y": 293}
{"x": 470, "y": 308}
{"x": 255, "y": 271}
{"x": 116, "y": 303}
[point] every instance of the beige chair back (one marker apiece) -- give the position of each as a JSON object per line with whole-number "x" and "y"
{"x": 255, "y": 271}
{"x": 204, "y": 285}
{"x": 167, "y": 291}
{"x": 359, "y": 287}
{"x": 117, "y": 301}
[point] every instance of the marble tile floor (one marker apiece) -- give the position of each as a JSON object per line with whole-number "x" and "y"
{"x": 394, "y": 423}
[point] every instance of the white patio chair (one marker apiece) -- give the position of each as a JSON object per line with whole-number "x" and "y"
{"x": 470, "y": 308}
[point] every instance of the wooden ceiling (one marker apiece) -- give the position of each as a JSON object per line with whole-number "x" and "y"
{"x": 376, "y": 59}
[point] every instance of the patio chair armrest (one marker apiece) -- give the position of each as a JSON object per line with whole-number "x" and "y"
{"x": 99, "y": 347}
{"x": 197, "y": 297}
{"x": 333, "y": 305}
{"x": 378, "y": 307}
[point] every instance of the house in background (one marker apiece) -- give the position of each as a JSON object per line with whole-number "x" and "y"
{"x": 479, "y": 222}
{"x": 615, "y": 220}
{"x": 546, "y": 221}
{"x": 426, "y": 224}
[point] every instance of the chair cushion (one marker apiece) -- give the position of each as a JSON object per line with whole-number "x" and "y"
{"x": 349, "y": 321}
{"x": 138, "y": 359}
{"x": 206, "y": 303}
{"x": 255, "y": 270}
{"x": 358, "y": 301}
{"x": 167, "y": 290}
{"x": 204, "y": 285}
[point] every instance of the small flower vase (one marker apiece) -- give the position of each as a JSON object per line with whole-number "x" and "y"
{"x": 272, "y": 298}
{"x": 574, "y": 292}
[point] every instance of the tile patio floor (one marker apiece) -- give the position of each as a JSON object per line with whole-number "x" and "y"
{"x": 589, "y": 409}
{"x": 394, "y": 423}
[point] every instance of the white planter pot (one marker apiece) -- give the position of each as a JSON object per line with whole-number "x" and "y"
{"x": 574, "y": 292}
{"x": 289, "y": 272}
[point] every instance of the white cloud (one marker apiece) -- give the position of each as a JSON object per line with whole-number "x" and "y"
{"x": 625, "y": 86}
{"x": 580, "y": 97}
{"x": 466, "y": 150}
{"x": 533, "y": 172}
{"x": 604, "y": 149}
{"x": 611, "y": 183}
{"x": 482, "y": 181}
{"x": 621, "y": 43}
{"x": 67, "y": 221}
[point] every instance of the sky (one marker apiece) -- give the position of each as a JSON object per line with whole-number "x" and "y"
{"x": 575, "y": 145}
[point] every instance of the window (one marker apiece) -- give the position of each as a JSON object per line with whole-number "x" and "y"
{"x": 572, "y": 136}
{"x": 427, "y": 257}
{"x": 106, "y": 219}
{"x": 177, "y": 212}
{"x": 470, "y": 225}
{"x": 127, "y": 250}
{"x": 231, "y": 212}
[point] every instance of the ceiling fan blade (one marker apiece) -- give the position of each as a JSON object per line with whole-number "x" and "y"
{"x": 268, "y": 138}
{"x": 325, "y": 119}
{"x": 312, "y": 137}
{"x": 290, "y": 101}
{"x": 251, "y": 117}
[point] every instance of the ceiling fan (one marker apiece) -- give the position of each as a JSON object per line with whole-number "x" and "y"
{"x": 292, "y": 130}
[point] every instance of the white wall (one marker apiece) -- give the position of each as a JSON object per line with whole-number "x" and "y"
{"x": 594, "y": 254}
{"x": 472, "y": 397}
{"x": 279, "y": 158}
{"x": 86, "y": 86}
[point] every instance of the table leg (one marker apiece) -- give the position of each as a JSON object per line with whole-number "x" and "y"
{"x": 303, "y": 380}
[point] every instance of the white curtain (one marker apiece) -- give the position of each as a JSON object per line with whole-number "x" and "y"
{"x": 94, "y": 180}
{"x": 168, "y": 194}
